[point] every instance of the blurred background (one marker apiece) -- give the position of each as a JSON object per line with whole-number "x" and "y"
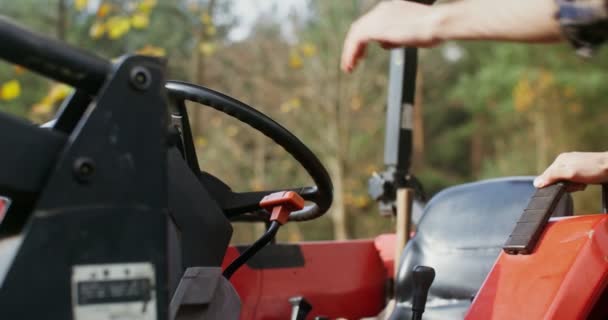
{"x": 483, "y": 110}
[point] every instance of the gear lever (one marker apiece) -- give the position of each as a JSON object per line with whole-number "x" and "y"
{"x": 300, "y": 308}
{"x": 423, "y": 277}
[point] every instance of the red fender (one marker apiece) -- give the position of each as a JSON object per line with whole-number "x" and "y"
{"x": 563, "y": 279}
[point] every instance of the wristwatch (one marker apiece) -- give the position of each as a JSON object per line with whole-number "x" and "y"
{"x": 584, "y": 23}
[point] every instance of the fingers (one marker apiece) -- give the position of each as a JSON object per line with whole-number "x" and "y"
{"x": 354, "y": 47}
{"x": 566, "y": 167}
{"x": 559, "y": 170}
{"x": 547, "y": 178}
{"x": 366, "y": 29}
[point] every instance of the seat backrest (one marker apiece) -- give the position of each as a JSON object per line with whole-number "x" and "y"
{"x": 461, "y": 234}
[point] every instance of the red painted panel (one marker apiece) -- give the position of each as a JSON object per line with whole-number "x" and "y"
{"x": 562, "y": 279}
{"x": 4, "y": 203}
{"x": 340, "y": 279}
{"x": 385, "y": 244}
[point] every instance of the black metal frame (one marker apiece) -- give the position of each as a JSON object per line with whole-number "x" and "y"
{"x": 95, "y": 190}
{"x": 398, "y": 133}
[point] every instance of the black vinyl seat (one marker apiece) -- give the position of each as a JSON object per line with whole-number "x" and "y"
{"x": 461, "y": 234}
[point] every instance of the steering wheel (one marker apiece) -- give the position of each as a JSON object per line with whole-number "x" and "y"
{"x": 245, "y": 205}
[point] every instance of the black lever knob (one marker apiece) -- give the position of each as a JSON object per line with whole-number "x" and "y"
{"x": 299, "y": 308}
{"x": 423, "y": 277}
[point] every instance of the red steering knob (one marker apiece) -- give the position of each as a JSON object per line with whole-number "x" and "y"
{"x": 281, "y": 204}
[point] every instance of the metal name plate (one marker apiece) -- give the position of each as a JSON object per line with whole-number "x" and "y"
{"x": 120, "y": 291}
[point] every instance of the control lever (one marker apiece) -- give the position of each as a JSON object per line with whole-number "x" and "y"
{"x": 280, "y": 204}
{"x": 299, "y": 308}
{"x": 423, "y": 277}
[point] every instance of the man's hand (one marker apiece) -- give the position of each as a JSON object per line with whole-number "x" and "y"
{"x": 392, "y": 24}
{"x": 580, "y": 168}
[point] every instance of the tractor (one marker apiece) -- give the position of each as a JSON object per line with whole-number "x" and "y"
{"x": 106, "y": 214}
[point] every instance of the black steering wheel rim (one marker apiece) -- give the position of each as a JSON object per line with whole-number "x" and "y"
{"x": 321, "y": 194}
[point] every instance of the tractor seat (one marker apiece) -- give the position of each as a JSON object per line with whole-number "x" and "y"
{"x": 461, "y": 233}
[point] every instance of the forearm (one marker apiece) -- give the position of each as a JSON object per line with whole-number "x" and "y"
{"x": 511, "y": 20}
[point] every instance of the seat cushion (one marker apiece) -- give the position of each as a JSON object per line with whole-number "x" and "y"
{"x": 461, "y": 233}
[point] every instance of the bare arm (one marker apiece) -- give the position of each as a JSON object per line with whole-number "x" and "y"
{"x": 400, "y": 23}
{"x": 512, "y": 20}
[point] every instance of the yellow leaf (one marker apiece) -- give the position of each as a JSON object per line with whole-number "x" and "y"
{"x": 59, "y": 92}
{"x": 308, "y": 49}
{"x": 295, "y": 61}
{"x": 210, "y": 30}
{"x": 118, "y": 26}
{"x": 200, "y": 142}
{"x": 80, "y": 4}
{"x": 97, "y": 30}
{"x": 19, "y": 70}
{"x": 290, "y": 105}
{"x": 285, "y": 108}
{"x": 361, "y": 201}
{"x": 10, "y": 90}
{"x": 146, "y": 6}
{"x": 45, "y": 106}
{"x": 356, "y": 103}
{"x": 296, "y": 103}
{"x": 207, "y": 48}
{"x": 140, "y": 21}
{"x": 150, "y": 50}
{"x": 103, "y": 10}
{"x": 523, "y": 95}
{"x": 206, "y": 18}
{"x": 42, "y": 109}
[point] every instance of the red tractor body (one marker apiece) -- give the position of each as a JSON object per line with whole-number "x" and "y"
{"x": 565, "y": 278}
{"x": 339, "y": 278}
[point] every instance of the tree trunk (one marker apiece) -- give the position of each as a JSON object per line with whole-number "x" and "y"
{"x": 198, "y": 71}
{"x": 259, "y": 174}
{"x": 338, "y": 212}
{"x": 61, "y": 20}
{"x": 336, "y": 164}
{"x": 418, "y": 125}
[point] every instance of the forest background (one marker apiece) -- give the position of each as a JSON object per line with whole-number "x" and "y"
{"x": 483, "y": 109}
